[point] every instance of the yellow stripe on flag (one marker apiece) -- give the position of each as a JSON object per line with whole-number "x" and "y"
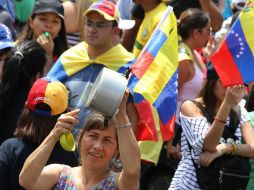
{"x": 246, "y": 18}
{"x": 163, "y": 67}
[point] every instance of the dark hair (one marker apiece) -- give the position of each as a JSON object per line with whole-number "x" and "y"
{"x": 96, "y": 121}
{"x": 190, "y": 19}
{"x": 33, "y": 128}
{"x": 210, "y": 100}
{"x": 60, "y": 42}
{"x": 250, "y": 100}
{"x": 21, "y": 65}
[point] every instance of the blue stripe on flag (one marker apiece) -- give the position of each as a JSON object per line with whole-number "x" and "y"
{"x": 166, "y": 101}
{"x": 58, "y": 71}
{"x": 241, "y": 52}
{"x": 155, "y": 45}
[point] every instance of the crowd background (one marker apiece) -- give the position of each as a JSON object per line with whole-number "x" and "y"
{"x": 37, "y": 37}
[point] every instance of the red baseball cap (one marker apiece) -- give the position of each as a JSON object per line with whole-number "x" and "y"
{"x": 50, "y": 92}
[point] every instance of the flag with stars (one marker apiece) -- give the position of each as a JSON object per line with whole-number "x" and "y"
{"x": 234, "y": 60}
{"x": 154, "y": 81}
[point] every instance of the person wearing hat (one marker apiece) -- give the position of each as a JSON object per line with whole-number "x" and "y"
{"x": 46, "y": 26}
{"x": 7, "y": 15}
{"x": 100, "y": 142}
{"x": 79, "y": 66}
{"x": 206, "y": 138}
{"x": 6, "y": 43}
{"x": 20, "y": 70}
{"x": 46, "y": 100}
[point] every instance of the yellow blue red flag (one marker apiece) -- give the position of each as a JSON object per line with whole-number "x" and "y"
{"x": 154, "y": 81}
{"x": 234, "y": 60}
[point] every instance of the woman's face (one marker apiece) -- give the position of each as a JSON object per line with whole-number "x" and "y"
{"x": 45, "y": 22}
{"x": 204, "y": 35}
{"x": 99, "y": 147}
{"x": 219, "y": 90}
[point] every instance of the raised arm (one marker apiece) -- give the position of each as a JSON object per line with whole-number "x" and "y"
{"x": 34, "y": 174}
{"x": 129, "y": 151}
{"x": 214, "y": 13}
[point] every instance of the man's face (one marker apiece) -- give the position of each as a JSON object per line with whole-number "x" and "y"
{"x": 98, "y": 31}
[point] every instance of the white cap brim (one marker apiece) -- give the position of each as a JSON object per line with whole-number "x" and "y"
{"x": 126, "y": 24}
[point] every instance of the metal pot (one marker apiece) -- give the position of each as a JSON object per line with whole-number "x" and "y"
{"x": 107, "y": 92}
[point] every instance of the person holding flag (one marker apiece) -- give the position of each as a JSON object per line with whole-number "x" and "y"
{"x": 235, "y": 56}
{"x": 153, "y": 83}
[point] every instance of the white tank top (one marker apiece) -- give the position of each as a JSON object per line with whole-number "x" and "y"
{"x": 190, "y": 89}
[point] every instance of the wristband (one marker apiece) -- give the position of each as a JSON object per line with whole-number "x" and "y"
{"x": 123, "y": 125}
{"x": 220, "y": 120}
{"x": 235, "y": 148}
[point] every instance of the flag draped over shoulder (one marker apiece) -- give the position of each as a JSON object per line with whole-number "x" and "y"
{"x": 76, "y": 59}
{"x": 234, "y": 60}
{"x": 154, "y": 81}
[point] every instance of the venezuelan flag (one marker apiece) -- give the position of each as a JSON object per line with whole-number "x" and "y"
{"x": 234, "y": 60}
{"x": 154, "y": 81}
{"x": 76, "y": 58}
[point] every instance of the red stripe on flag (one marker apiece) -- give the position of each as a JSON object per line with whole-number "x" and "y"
{"x": 167, "y": 131}
{"x": 147, "y": 128}
{"x": 142, "y": 64}
{"x": 224, "y": 64}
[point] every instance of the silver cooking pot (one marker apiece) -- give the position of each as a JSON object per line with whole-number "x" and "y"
{"x": 107, "y": 92}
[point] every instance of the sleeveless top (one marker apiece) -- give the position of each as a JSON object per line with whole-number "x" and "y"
{"x": 66, "y": 181}
{"x": 191, "y": 88}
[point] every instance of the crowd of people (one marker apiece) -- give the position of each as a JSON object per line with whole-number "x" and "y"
{"x": 51, "y": 55}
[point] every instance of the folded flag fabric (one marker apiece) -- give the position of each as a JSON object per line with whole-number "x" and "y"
{"x": 154, "y": 81}
{"x": 234, "y": 60}
{"x": 76, "y": 59}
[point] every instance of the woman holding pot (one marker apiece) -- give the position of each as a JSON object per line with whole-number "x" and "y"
{"x": 100, "y": 141}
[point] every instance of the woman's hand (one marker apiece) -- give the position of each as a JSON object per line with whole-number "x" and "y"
{"x": 65, "y": 123}
{"x": 209, "y": 49}
{"x": 47, "y": 43}
{"x": 234, "y": 94}
{"x": 174, "y": 151}
{"x": 206, "y": 157}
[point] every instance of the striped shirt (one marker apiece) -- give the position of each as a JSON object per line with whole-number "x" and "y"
{"x": 194, "y": 130}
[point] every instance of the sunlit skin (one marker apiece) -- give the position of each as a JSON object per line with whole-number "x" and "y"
{"x": 205, "y": 34}
{"x": 99, "y": 147}
{"x": 46, "y": 22}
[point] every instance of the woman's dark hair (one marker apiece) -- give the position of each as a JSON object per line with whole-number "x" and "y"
{"x": 60, "y": 42}
{"x": 21, "y": 65}
{"x": 250, "y": 100}
{"x": 33, "y": 128}
{"x": 95, "y": 121}
{"x": 190, "y": 19}
{"x": 210, "y": 100}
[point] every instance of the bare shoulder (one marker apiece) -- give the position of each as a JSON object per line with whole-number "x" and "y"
{"x": 190, "y": 109}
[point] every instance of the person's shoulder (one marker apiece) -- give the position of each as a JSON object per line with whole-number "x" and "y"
{"x": 189, "y": 108}
{"x": 12, "y": 142}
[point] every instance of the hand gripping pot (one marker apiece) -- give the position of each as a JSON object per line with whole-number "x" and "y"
{"x": 107, "y": 92}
